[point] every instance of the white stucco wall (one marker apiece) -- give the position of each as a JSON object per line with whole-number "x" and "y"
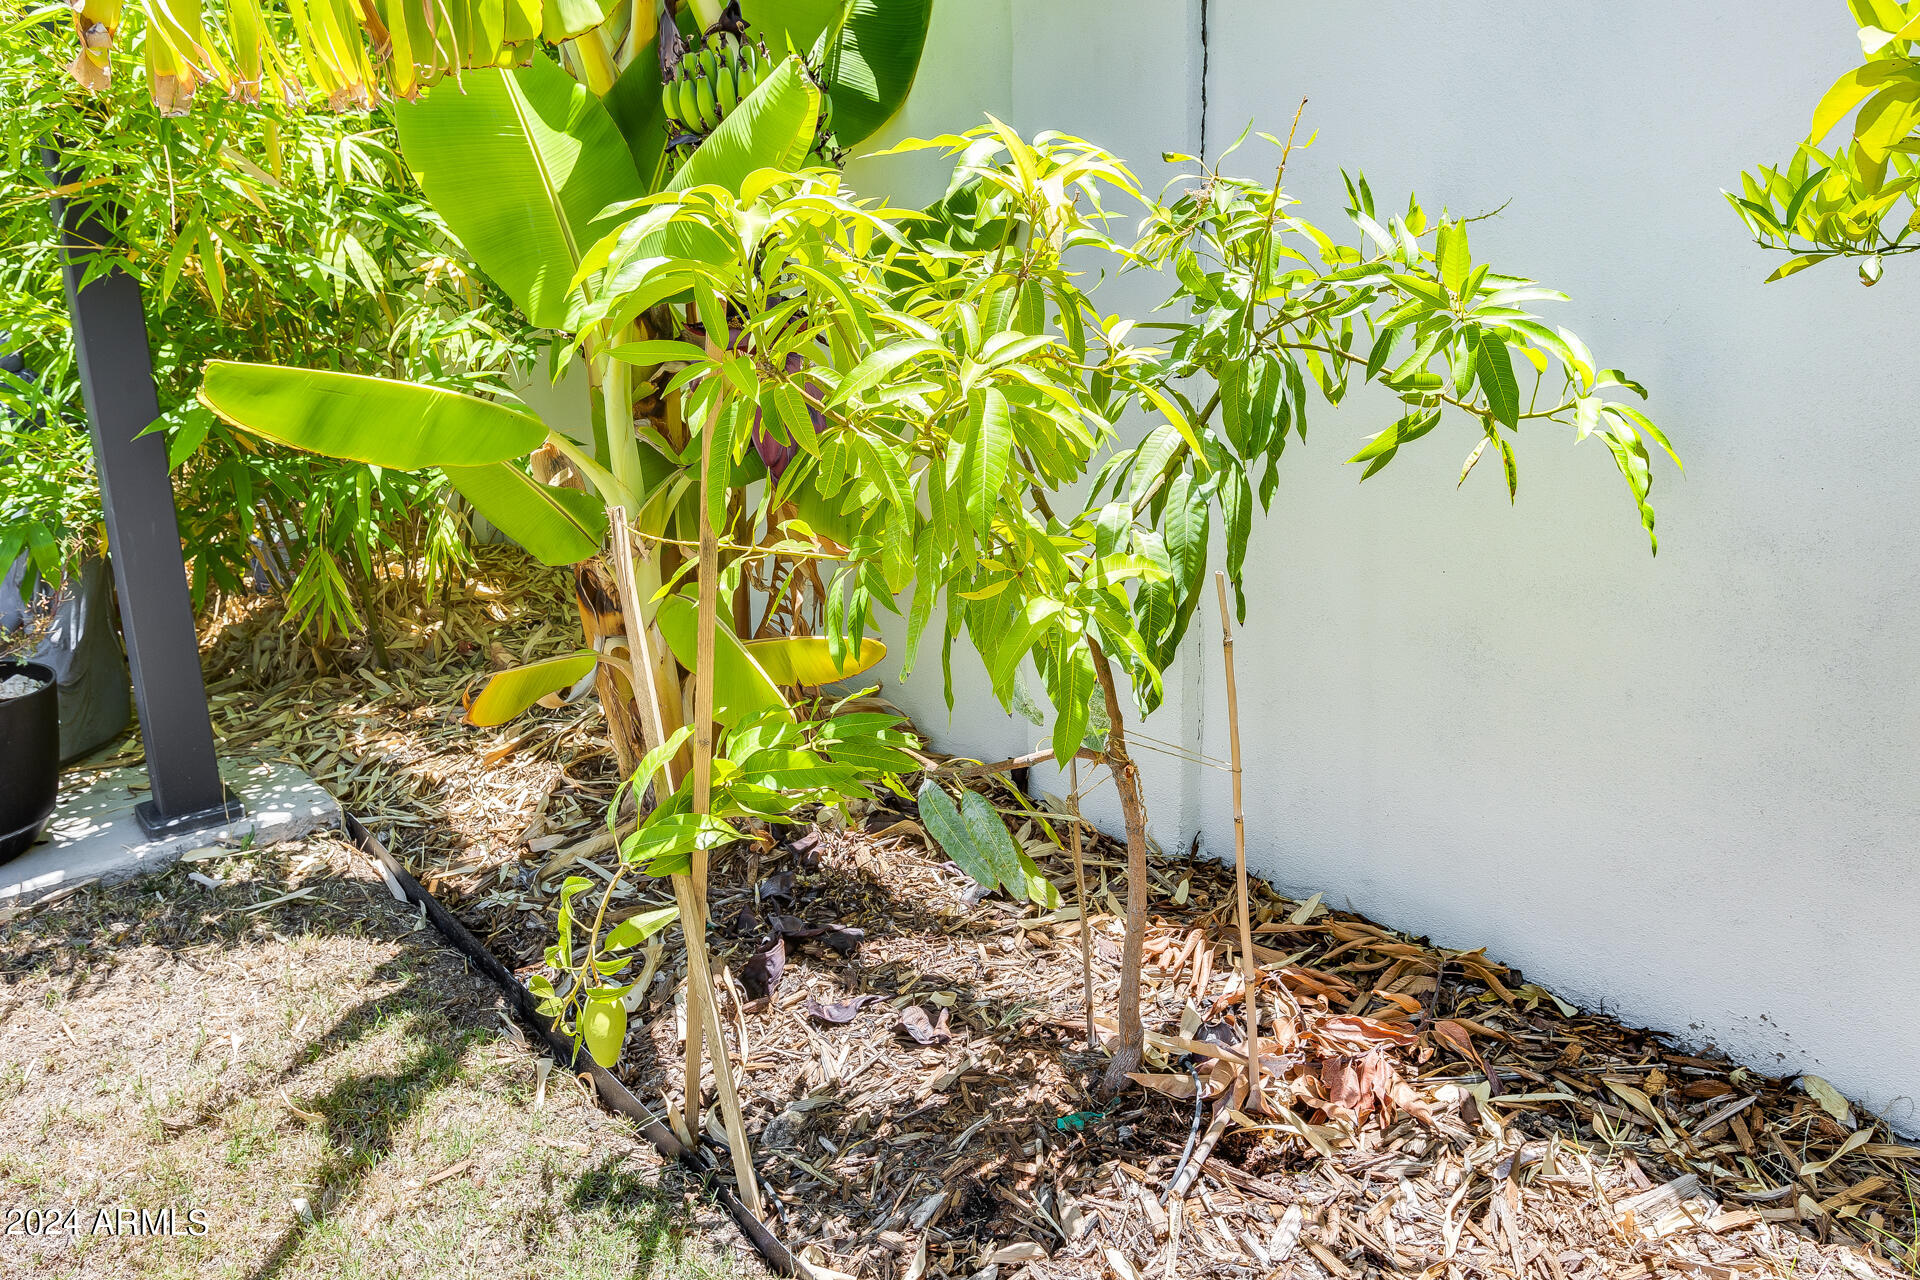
{"x": 1681, "y": 789}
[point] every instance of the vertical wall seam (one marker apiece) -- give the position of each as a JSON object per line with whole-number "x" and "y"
{"x": 1206, "y": 53}
{"x": 1195, "y": 682}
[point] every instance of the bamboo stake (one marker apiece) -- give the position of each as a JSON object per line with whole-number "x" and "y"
{"x": 690, "y": 889}
{"x": 1080, "y": 894}
{"x": 639, "y": 647}
{"x": 1249, "y": 968}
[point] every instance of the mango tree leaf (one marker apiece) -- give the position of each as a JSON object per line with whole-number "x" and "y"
{"x": 806, "y": 659}
{"x": 990, "y": 837}
{"x": 520, "y": 163}
{"x": 1186, "y": 526}
{"x": 1849, "y": 91}
{"x": 401, "y": 425}
{"x": 953, "y": 837}
{"x": 1040, "y": 890}
{"x": 665, "y": 843}
{"x": 556, "y": 526}
{"x": 1495, "y": 367}
{"x": 1798, "y": 263}
{"x": 1071, "y": 688}
{"x": 657, "y": 351}
{"x": 635, "y": 930}
{"x": 989, "y": 451}
{"x": 1455, "y": 259}
{"x": 510, "y": 692}
{"x": 651, "y": 762}
{"x": 741, "y": 690}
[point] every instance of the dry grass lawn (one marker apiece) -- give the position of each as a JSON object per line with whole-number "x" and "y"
{"x": 317, "y": 1087}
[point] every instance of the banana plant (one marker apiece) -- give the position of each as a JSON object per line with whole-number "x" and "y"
{"x": 520, "y": 149}
{"x": 565, "y": 148}
{"x": 532, "y": 173}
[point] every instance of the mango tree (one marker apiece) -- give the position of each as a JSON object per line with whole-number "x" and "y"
{"x": 1270, "y": 305}
{"x": 858, "y": 395}
{"x": 931, "y": 385}
{"x": 1857, "y": 200}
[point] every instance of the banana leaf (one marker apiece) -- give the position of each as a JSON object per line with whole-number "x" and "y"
{"x": 509, "y": 693}
{"x": 402, "y": 425}
{"x": 520, "y": 163}
{"x": 556, "y": 526}
{"x": 741, "y": 689}
{"x": 634, "y": 105}
{"x": 805, "y": 659}
{"x": 463, "y": 42}
{"x": 772, "y": 128}
{"x": 871, "y": 68}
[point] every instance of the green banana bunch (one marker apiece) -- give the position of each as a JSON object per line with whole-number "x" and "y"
{"x": 710, "y": 80}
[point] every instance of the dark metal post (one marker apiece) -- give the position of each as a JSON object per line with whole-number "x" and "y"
{"x": 143, "y": 530}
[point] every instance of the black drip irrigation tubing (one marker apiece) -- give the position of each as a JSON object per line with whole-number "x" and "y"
{"x": 613, "y": 1094}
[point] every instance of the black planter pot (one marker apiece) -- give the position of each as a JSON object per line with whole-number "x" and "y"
{"x": 29, "y": 758}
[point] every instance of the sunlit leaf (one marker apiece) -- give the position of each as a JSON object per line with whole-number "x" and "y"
{"x": 557, "y": 526}
{"x": 807, "y": 660}
{"x": 521, "y": 163}
{"x": 741, "y": 689}
{"x": 603, "y": 1026}
{"x": 344, "y": 415}
{"x": 510, "y": 693}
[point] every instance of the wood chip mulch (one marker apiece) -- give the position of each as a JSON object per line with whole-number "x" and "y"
{"x": 916, "y": 1069}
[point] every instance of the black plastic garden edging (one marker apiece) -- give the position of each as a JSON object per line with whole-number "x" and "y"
{"x": 611, "y": 1092}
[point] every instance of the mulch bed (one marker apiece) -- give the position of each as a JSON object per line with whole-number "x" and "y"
{"x": 921, "y": 1094}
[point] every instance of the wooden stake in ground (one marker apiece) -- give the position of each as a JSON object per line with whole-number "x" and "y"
{"x": 639, "y": 648}
{"x": 1080, "y": 896}
{"x": 690, "y": 889}
{"x": 1249, "y": 967}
